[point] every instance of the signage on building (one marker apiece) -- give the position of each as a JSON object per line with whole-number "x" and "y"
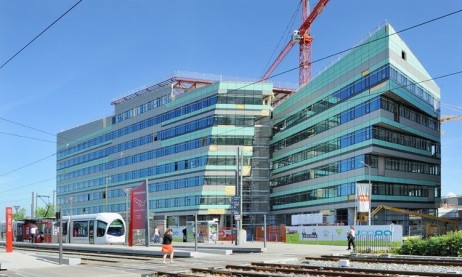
{"x": 235, "y": 204}
{"x": 306, "y": 219}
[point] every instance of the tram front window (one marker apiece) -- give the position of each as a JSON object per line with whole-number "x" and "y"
{"x": 116, "y": 228}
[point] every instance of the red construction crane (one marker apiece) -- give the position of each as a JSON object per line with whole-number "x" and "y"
{"x": 303, "y": 37}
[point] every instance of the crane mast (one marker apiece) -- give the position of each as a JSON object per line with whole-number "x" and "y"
{"x": 304, "y": 73}
{"x": 303, "y": 38}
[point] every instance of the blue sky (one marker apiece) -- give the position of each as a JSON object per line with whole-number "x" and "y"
{"x": 103, "y": 50}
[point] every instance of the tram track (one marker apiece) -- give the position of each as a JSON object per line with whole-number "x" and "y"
{"x": 89, "y": 257}
{"x": 286, "y": 270}
{"x": 440, "y": 261}
{"x": 328, "y": 265}
{"x": 386, "y": 268}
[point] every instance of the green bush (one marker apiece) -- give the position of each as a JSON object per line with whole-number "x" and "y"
{"x": 449, "y": 245}
{"x": 411, "y": 246}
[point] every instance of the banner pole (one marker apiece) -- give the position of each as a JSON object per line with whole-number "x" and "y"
{"x": 147, "y": 232}
{"x": 130, "y": 228}
{"x": 356, "y": 204}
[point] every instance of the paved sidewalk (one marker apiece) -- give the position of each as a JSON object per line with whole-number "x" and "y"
{"x": 25, "y": 264}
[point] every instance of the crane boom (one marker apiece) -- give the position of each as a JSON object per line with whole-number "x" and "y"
{"x": 278, "y": 60}
{"x": 444, "y": 118}
{"x": 455, "y": 223}
{"x": 305, "y": 46}
{"x": 450, "y": 117}
{"x": 313, "y": 14}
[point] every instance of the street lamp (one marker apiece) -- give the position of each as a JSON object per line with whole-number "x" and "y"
{"x": 16, "y": 208}
{"x": 370, "y": 189}
{"x": 238, "y": 194}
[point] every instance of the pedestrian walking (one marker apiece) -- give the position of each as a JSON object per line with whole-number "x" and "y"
{"x": 185, "y": 235}
{"x": 167, "y": 247}
{"x": 156, "y": 235}
{"x": 351, "y": 238}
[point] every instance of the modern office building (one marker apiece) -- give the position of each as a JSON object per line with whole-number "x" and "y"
{"x": 372, "y": 117}
{"x": 187, "y": 137}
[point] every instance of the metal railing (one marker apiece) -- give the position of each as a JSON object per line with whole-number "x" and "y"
{"x": 373, "y": 244}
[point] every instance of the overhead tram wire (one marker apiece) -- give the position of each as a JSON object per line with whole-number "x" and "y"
{"x": 35, "y": 129}
{"x": 23, "y": 125}
{"x": 27, "y": 165}
{"x": 454, "y": 108}
{"x": 14, "y": 201}
{"x": 41, "y": 33}
{"x": 21, "y": 136}
{"x": 285, "y": 34}
{"x": 28, "y": 185}
{"x": 326, "y": 57}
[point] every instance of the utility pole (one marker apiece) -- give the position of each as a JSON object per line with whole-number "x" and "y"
{"x": 32, "y": 209}
{"x": 108, "y": 179}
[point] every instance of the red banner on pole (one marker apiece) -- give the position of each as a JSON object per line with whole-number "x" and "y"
{"x": 138, "y": 210}
{"x": 363, "y": 194}
{"x": 9, "y": 229}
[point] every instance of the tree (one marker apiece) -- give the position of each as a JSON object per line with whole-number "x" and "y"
{"x": 20, "y": 214}
{"x": 47, "y": 211}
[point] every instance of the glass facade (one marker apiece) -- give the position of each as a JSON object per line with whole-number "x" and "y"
{"x": 182, "y": 147}
{"x": 368, "y": 118}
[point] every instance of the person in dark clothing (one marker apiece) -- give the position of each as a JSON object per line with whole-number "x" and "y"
{"x": 351, "y": 238}
{"x": 167, "y": 247}
{"x": 185, "y": 232}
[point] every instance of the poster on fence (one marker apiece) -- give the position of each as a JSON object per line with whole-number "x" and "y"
{"x": 335, "y": 233}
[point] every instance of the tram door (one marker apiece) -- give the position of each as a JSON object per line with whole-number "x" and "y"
{"x": 91, "y": 232}
{"x": 66, "y": 238}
